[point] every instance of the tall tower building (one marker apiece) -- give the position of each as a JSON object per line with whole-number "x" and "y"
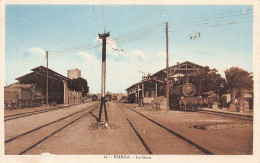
{"x": 74, "y": 74}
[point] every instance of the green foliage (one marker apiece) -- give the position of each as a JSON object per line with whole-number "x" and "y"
{"x": 238, "y": 78}
{"x": 80, "y": 85}
{"x": 217, "y": 84}
{"x": 210, "y": 80}
{"x": 201, "y": 81}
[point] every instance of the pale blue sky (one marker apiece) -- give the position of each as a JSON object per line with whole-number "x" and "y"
{"x": 33, "y": 29}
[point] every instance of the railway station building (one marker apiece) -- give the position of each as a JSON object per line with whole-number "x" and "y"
{"x": 152, "y": 88}
{"x": 184, "y": 92}
{"x": 58, "y": 90}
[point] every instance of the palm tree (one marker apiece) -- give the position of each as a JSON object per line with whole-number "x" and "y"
{"x": 201, "y": 80}
{"x": 238, "y": 79}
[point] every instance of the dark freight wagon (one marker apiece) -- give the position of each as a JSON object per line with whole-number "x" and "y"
{"x": 108, "y": 97}
{"x": 114, "y": 98}
{"x": 22, "y": 95}
{"x": 94, "y": 97}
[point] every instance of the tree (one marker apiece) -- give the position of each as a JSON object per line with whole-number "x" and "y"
{"x": 79, "y": 85}
{"x": 217, "y": 84}
{"x": 209, "y": 80}
{"x": 201, "y": 80}
{"x": 238, "y": 79}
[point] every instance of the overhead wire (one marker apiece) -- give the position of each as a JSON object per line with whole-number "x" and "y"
{"x": 208, "y": 16}
{"x": 123, "y": 51}
{"x": 151, "y": 30}
{"x": 146, "y": 35}
{"x": 215, "y": 20}
{"x": 134, "y": 37}
{"x": 140, "y": 33}
{"x": 183, "y": 22}
{"x": 77, "y": 48}
{"x": 67, "y": 52}
{"x": 139, "y": 30}
{"x": 84, "y": 45}
{"x": 139, "y": 37}
{"x": 103, "y": 20}
{"x": 73, "y": 48}
{"x": 206, "y": 25}
{"x": 95, "y": 17}
{"x": 211, "y": 19}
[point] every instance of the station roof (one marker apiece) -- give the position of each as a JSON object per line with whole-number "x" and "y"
{"x": 144, "y": 81}
{"x": 186, "y": 67}
{"x": 42, "y": 71}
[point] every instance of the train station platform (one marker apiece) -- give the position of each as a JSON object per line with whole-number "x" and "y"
{"x": 81, "y": 139}
{"x": 222, "y": 111}
{"x": 249, "y": 114}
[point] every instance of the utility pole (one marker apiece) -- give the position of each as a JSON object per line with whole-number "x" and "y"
{"x": 47, "y": 80}
{"x": 103, "y": 78}
{"x": 167, "y": 69}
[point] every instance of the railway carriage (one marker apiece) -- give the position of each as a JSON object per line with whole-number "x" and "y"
{"x": 108, "y": 97}
{"x": 94, "y": 97}
{"x": 22, "y": 95}
{"x": 114, "y": 98}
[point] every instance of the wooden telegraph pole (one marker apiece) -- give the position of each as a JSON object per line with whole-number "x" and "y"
{"x": 47, "y": 81}
{"x": 103, "y": 78}
{"x": 167, "y": 69}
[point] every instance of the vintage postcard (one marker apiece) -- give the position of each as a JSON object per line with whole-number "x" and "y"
{"x": 92, "y": 81}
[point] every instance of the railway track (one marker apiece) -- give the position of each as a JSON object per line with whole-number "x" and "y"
{"x": 22, "y": 143}
{"x": 242, "y": 117}
{"x": 26, "y": 114}
{"x": 168, "y": 134}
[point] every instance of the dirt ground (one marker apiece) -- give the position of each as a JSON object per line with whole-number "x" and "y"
{"x": 79, "y": 138}
{"x": 237, "y": 140}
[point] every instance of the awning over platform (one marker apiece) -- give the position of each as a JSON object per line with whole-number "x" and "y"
{"x": 180, "y": 68}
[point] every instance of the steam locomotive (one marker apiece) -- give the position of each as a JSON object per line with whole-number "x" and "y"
{"x": 185, "y": 97}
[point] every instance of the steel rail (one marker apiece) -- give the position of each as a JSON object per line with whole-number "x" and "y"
{"x": 50, "y": 135}
{"x": 174, "y": 133}
{"x": 138, "y": 135}
{"x": 35, "y": 129}
{"x": 36, "y": 112}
